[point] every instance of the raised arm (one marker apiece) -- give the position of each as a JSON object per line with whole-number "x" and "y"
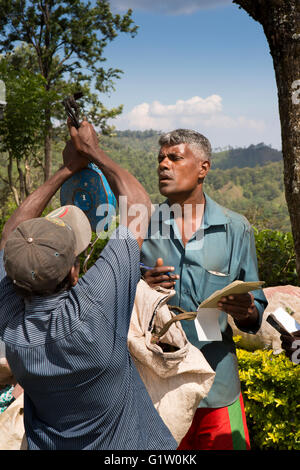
{"x": 36, "y": 202}
{"x": 134, "y": 202}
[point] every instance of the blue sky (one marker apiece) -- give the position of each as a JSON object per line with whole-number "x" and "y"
{"x": 196, "y": 64}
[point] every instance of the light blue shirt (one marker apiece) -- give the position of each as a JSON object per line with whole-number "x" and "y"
{"x": 220, "y": 252}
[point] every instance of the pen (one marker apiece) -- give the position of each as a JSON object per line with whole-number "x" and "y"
{"x": 143, "y": 266}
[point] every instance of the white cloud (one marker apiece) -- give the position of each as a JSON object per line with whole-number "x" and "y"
{"x": 204, "y": 115}
{"x": 173, "y": 7}
{"x": 159, "y": 116}
{"x": 192, "y": 112}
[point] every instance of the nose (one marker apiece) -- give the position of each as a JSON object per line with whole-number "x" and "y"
{"x": 164, "y": 163}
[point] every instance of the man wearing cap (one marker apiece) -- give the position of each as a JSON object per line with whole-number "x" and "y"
{"x": 66, "y": 338}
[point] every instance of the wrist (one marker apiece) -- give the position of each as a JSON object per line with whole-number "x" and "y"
{"x": 72, "y": 168}
{"x": 97, "y": 156}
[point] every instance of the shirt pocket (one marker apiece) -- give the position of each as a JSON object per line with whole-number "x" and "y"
{"x": 214, "y": 282}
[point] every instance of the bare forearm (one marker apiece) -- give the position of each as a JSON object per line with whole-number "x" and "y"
{"x": 134, "y": 202}
{"x": 35, "y": 203}
{"x": 122, "y": 183}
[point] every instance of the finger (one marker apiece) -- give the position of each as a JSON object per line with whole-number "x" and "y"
{"x": 159, "y": 262}
{"x": 236, "y": 309}
{"x": 226, "y": 305}
{"x": 72, "y": 129}
{"x": 70, "y": 125}
{"x": 166, "y": 284}
{"x": 159, "y": 278}
{"x": 162, "y": 270}
{"x": 238, "y": 298}
{"x": 84, "y": 123}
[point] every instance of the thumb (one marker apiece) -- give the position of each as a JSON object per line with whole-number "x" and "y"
{"x": 72, "y": 129}
{"x": 159, "y": 262}
{"x": 75, "y": 139}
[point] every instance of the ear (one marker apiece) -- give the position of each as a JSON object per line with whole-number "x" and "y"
{"x": 74, "y": 275}
{"x": 204, "y": 167}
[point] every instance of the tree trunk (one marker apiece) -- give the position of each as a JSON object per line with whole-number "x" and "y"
{"x": 281, "y": 23}
{"x": 27, "y": 177}
{"x": 21, "y": 181}
{"x": 47, "y": 146}
{"x": 10, "y": 180}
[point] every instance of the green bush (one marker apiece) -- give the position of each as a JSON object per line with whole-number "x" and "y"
{"x": 276, "y": 257}
{"x": 271, "y": 392}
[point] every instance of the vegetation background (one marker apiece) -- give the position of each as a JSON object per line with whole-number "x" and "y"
{"x": 247, "y": 180}
{"x": 250, "y": 181}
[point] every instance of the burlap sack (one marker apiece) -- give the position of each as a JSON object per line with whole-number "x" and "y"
{"x": 176, "y": 381}
{"x": 12, "y": 436}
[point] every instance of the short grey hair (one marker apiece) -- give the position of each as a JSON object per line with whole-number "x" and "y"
{"x": 186, "y": 136}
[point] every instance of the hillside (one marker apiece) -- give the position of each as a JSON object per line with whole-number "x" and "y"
{"x": 247, "y": 180}
{"x": 249, "y": 157}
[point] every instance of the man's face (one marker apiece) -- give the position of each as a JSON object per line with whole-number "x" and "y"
{"x": 179, "y": 170}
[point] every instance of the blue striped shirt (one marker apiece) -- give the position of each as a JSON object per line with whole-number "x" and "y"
{"x": 69, "y": 353}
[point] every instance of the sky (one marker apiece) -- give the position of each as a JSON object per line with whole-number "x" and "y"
{"x": 196, "y": 64}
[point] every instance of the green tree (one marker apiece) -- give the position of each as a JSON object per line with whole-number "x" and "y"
{"x": 68, "y": 39}
{"x": 280, "y": 22}
{"x": 22, "y": 127}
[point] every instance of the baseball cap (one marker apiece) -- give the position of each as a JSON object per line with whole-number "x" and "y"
{"x": 40, "y": 252}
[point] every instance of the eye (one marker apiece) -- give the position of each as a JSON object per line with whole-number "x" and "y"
{"x": 174, "y": 158}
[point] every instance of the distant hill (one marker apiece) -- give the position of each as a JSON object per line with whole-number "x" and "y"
{"x": 249, "y": 157}
{"x": 246, "y": 180}
{"x": 259, "y": 154}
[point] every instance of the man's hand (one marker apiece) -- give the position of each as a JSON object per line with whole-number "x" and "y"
{"x": 157, "y": 276}
{"x": 241, "y": 307}
{"x": 73, "y": 160}
{"x": 291, "y": 344}
{"x": 85, "y": 139}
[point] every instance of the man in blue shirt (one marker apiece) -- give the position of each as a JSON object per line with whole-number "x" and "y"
{"x": 198, "y": 247}
{"x": 66, "y": 338}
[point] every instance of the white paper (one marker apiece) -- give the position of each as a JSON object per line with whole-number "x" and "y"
{"x": 207, "y": 325}
{"x": 286, "y": 320}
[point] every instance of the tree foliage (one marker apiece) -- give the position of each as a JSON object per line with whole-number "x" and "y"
{"x": 68, "y": 39}
{"x": 280, "y": 22}
{"x": 22, "y": 127}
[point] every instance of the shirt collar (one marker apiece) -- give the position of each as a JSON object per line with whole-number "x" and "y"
{"x": 39, "y": 304}
{"x": 214, "y": 214}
